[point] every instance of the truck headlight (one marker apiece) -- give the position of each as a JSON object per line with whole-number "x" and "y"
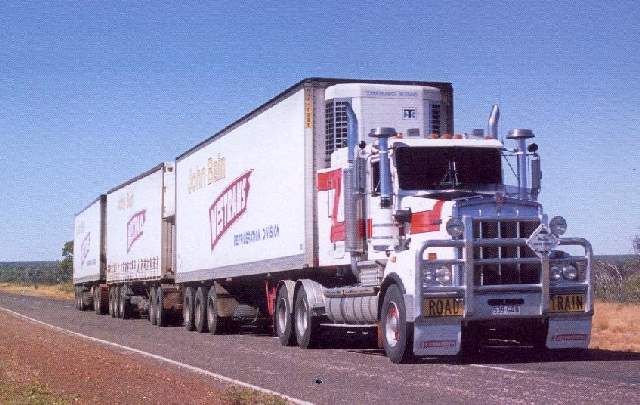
{"x": 455, "y": 227}
{"x": 569, "y": 272}
{"x": 434, "y": 276}
{"x": 555, "y": 273}
{"x": 558, "y": 225}
{"x": 443, "y": 275}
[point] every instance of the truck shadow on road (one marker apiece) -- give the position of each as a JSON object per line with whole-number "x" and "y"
{"x": 365, "y": 342}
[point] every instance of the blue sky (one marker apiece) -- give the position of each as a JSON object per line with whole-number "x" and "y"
{"x": 92, "y": 93}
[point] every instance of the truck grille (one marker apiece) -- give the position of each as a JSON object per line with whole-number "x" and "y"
{"x": 505, "y": 273}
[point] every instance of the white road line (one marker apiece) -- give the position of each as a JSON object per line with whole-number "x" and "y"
{"x": 500, "y": 368}
{"x": 160, "y": 358}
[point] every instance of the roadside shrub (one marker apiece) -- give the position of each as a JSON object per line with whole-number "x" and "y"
{"x": 617, "y": 279}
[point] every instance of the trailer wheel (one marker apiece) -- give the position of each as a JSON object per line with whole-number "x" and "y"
{"x": 99, "y": 304}
{"x": 116, "y": 301}
{"x": 161, "y": 313}
{"x": 200, "y": 319}
{"x": 81, "y": 299}
{"x": 112, "y": 311}
{"x": 307, "y": 327}
{"x": 187, "y": 309}
{"x": 284, "y": 318}
{"x": 75, "y": 292}
{"x": 123, "y": 309}
{"x": 152, "y": 306}
{"x": 397, "y": 334}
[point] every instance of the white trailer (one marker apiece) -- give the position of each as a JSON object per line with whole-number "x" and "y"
{"x": 89, "y": 258}
{"x": 139, "y": 244}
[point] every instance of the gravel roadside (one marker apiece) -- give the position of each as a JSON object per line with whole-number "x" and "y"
{"x": 84, "y": 372}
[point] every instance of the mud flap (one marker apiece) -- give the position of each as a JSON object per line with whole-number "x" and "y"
{"x": 569, "y": 333}
{"x": 437, "y": 337}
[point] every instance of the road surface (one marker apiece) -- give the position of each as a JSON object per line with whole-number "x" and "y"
{"x": 347, "y": 372}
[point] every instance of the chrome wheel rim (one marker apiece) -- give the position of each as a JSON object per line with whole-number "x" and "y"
{"x": 392, "y": 325}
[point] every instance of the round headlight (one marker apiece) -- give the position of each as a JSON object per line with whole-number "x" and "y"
{"x": 569, "y": 272}
{"x": 443, "y": 275}
{"x": 555, "y": 273}
{"x": 558, "y": 225}
{"x": 455, "y": 227}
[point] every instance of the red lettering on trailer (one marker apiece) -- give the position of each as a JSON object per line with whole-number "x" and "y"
{"x": 427, "y": 221}
{"x": 228, "y": 207}
{"x": 134, "y": 228}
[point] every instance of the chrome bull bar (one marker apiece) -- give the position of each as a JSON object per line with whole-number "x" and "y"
{"x": 468, "y": 263}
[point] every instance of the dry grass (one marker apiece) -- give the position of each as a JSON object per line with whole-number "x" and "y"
{"x": 616, "y": 327}
{"x": 57, "y": 291}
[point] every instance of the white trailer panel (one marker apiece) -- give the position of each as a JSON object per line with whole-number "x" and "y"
{"x": 136, "y": 233}
{"x": 239, "y": 199}
{"x": 88, "y": 243}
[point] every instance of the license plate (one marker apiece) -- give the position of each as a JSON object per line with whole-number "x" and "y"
{"x": 505, "y": 310}
{"x": 566, "y": 303}
{"x": 438, "y": 307}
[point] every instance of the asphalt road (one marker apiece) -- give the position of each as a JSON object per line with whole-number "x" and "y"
{"x": 353, "y": 372}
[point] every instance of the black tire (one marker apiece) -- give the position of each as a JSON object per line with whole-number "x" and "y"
{"x": 284, "y": 318}
{"x": 123, "y": 309}
{"x": 82, "y": 304}
{"x": 306, "y": 325}
{"x": 397, "y": 333}
{"x": 187, "y": 309}
{"x": 162, "y": 314}
{"x": 76, "y": 298}
{"x": 98, "y": 307}
{"x": 112, "y": 303}
{"x": 200, "y": 321}
{"x": 152, "y": 306}
{"x": 116, "y": 301}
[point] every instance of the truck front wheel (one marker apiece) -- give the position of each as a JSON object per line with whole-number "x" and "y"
{"x": 397, "y": 334}
{"x": 306, "y": 325}
{"x": 284, "y": 318}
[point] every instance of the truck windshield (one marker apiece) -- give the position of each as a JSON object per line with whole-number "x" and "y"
{"x": 448, "y": 168}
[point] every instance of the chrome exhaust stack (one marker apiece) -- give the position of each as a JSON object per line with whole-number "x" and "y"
{"x": 521, "y": 136}
{"x": 492, "y": 124}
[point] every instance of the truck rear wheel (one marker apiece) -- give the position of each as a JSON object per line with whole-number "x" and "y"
{"x": 397, "y": 333}
{"x": 284, "y": 318}
{"x": 200, "y": 309}
{"x": 306, "y": 325}
{"x": 152, "y": 306}
{"x": 76, "y": 297}
{"x": 187, "y": 308}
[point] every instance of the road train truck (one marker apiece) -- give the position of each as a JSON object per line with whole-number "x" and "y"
{"x": 352, "y": 203}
